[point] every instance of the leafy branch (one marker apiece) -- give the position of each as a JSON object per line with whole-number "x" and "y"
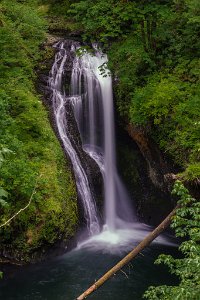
{"x": 186, "y": 224}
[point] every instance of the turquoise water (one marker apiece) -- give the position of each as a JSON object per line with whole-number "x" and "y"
{"x": 66, "y": 277}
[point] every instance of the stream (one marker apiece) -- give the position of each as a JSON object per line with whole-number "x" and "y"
{"x": 68, "y": 276}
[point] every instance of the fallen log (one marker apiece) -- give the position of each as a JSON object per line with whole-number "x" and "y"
{"x": 143, "y": 244}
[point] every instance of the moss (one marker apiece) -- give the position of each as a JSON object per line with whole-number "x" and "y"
{"x": 53, "y": 211}
{"x": 61, "y": 23}
{"x": 191, "y": 173}
{"x": 37, "y": 158}
{"x": 129, "y": 164}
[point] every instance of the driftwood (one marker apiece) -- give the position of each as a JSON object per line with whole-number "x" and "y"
{"x": 143, "y": 244}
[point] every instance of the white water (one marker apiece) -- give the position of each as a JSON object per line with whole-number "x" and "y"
{"x": 123, "y": 239}
{"x": 92, "y": 100}
{"x": 91, "y": 94}
{"x": 59, "y": 99}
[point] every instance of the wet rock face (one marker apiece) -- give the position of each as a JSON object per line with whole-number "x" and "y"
{"x": 91, "y": 168}
{"x": 148, "y": 183}
{"x": 11, "y": 256}
{"x": 152, "y": 191}
{"x": 89, "y": 165}
{"x": 151, "y": 203}
{"x": 158, "y": 168}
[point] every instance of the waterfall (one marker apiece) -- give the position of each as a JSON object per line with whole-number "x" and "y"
{"x": 58, "y": 102}
{"x": 92, "y": 98}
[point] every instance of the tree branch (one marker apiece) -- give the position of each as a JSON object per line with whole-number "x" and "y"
{"x": 22, "y": 209}
{"x": 143, "y": 244}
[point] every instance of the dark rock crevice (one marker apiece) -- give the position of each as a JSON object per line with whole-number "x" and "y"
{"x": 158, "y": 166}
{"x": 152, "y": 204}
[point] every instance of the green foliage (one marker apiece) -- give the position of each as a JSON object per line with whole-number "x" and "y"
{"x": 153, "y": 49}
{"x": 100, "y": 21}
{"x": 172, "y": 108}
{"x": 3, "y": 194}
{"x": 127, "y": 59}
{"x": 57, "y": 7}
{"x": 186, "y": 223}
{"x": 55, "y": 12}
{"x": 192, "y": 172}
{"x": 154, "y": 102}
{"x": 25, "y": 130}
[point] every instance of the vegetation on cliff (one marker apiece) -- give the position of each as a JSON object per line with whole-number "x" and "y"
{"x": 153, "y": 49}
{"x": 35, "y": 156}
{"x": 186, "y": 268}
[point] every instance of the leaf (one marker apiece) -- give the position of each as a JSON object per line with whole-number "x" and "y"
{"x": 3, "y": 193}
{"x": 3, "y": 203}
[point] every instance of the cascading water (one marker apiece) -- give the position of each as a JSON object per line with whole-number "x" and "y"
{"x": 59, "y": 99}
{"x": 71, "y": 273}
{"x": 92, "y": 100}
{"x": 91, "y": 94}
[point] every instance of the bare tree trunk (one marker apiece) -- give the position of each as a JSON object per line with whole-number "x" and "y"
{"x": 145, "y": 242}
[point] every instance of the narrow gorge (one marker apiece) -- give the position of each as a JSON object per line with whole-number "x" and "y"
{"x": 82, "y": 105}
{"x": 87, "y": 100}
{"x": 99, "y": 141}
